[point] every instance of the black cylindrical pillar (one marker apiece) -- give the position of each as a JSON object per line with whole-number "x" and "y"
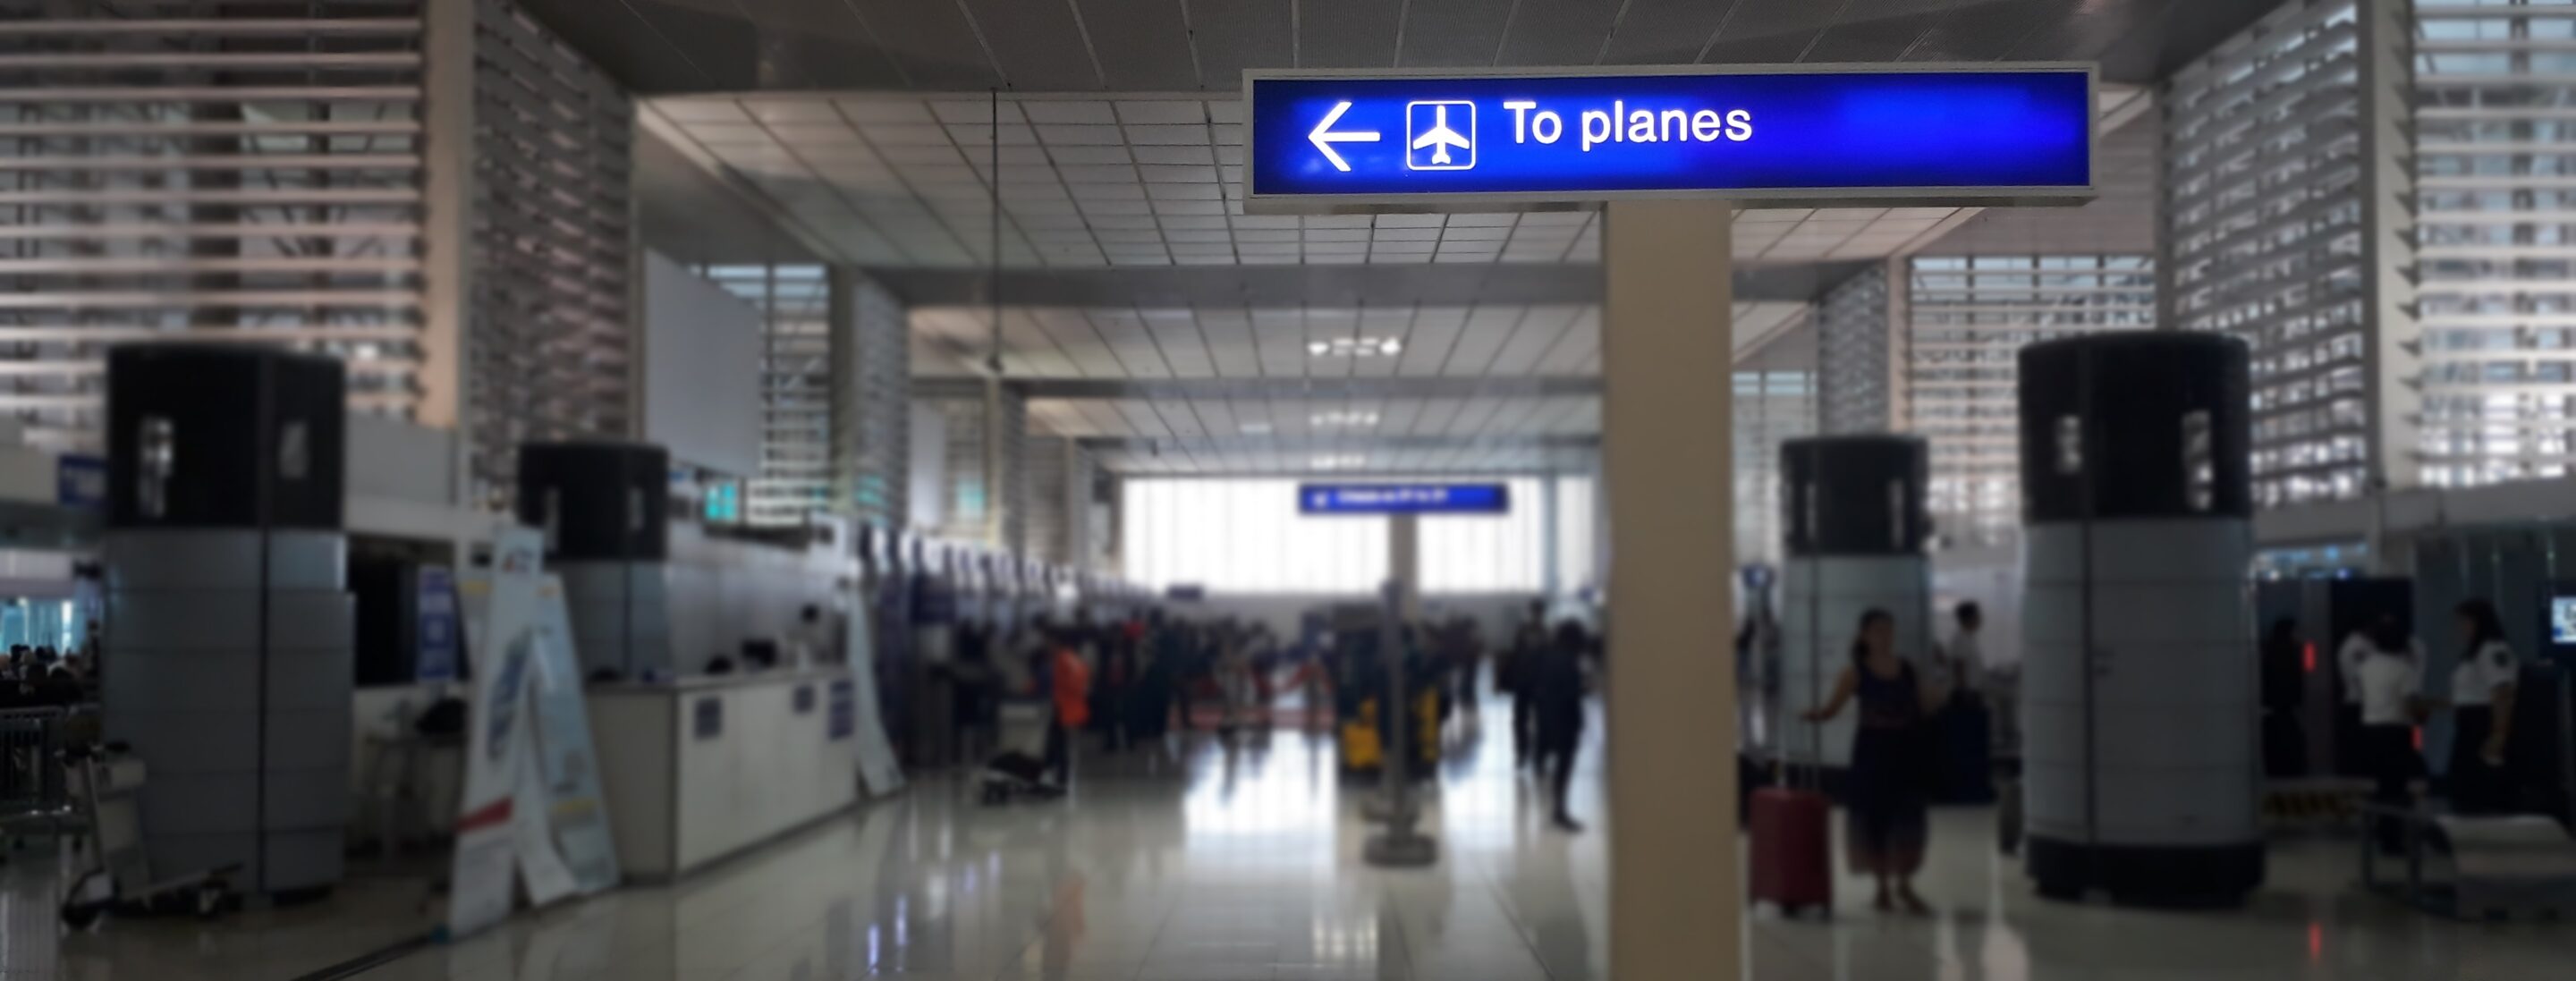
{"x": 2139, "y": 687}
{"x": 605, "y": 508}
{"x": 598, "y": 499}
{"x": 1854, "y": 531}
{"x": 229, "y": 634}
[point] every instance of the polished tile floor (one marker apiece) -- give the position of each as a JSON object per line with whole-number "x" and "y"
{"x": 1216, "y": 861}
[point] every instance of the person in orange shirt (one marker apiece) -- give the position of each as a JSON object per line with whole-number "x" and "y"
{"x": 1069, "y": 686}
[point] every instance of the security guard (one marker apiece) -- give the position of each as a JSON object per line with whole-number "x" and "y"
{"x": 2481, "y": 699}
{"x": 2387, "y": 678}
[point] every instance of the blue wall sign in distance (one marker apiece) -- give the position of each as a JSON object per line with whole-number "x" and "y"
{"x": 1403, "y": 499}
{"x": 437, "y": 642}
{"x": 1815, "y": 133}
{"x": 80, "y": 481}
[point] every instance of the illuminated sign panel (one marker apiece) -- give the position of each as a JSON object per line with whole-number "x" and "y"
{"x": 1825, "y": 133}
{"x": 1316, "y": 499}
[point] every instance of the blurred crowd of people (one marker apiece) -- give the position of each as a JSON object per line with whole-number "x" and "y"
{"x": 1126, "y": 679}
{"x": 1131, "y": 679}
{"x": 39, "y": 676}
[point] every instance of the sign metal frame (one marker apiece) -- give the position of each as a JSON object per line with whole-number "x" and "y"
{"x": 1435, "y": 202}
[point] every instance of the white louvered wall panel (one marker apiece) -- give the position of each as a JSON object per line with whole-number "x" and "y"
{"x": 872, "y": 399}
{"x": 186, "y": 172}
{"x": 1852, "y": 355}
{"x": 554, "y": 247}
{"x": 2264, "y": 217}
{"x": 1967, "y": 319}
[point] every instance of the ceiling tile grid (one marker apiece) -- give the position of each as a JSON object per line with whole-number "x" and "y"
{"x": 666, "y": 46}
{"x": 1319, "y": 343}
{"x": 905, "y": 181}
{"x": 1319, "y": 422}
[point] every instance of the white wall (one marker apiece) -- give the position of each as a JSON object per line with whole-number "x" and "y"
{"x": 701, "y": 370}
{"x": 27, "y": 474}
{"x": 722, "y": 591}
{"x": 397, "y": 460}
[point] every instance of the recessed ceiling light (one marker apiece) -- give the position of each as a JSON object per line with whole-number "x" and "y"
{"x": 1353, "y": 418}
{"x": 1356, "y": 347}
{"x": 1340, "y": 461}
{"x": 1256, "y": 428}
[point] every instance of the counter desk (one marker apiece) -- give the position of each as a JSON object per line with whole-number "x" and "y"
{"x": 699, "y": 769}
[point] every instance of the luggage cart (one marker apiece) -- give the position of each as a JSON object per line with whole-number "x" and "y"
{"x": 106, "y": 785}
{"x": 32, "y": 795}
{"x": 1018, "y": 769}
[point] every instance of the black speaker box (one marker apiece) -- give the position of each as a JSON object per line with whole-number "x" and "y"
{"x": 226, "y": 436}
{"x": 1854, "y": 495}
{"x": 598, "y": 500}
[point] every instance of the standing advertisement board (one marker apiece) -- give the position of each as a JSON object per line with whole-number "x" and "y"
{"x": 532, "y": 804}
{"x": 879, "y": 773}
{"x": 564, "y": 837}
{"x": 501, "y": 626}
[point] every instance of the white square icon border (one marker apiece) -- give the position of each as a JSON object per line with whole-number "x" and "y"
{"x": 1469, "y": 132}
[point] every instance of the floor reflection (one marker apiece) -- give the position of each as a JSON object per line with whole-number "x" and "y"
{"x": 1211, "y": 859}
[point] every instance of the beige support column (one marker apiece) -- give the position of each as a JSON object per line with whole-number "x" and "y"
{"x": 447, "y": 232}
{"x": 1676, "y": 901}
{"x": 1082, "y": 549}
{"x": 997, "y": 498}
{"x": 2392, "y": 356}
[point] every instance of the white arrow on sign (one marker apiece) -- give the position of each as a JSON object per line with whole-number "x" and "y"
{"x": 1324, "y": 140}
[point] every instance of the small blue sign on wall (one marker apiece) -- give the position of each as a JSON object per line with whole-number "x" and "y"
{"x": 1327, "y": 499}
{"x": 844, "y": 718}
{"x": 1803, "y": 132}
{"x": 707, "y": 718}
{"x": 437, "y": 640}
{"x": 80, "y": 481}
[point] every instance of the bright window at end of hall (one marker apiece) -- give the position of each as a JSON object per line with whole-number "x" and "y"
{"x": 1244, "y": 535}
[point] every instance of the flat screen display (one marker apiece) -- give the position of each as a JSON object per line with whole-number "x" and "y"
{"x": 2562, "y": 620}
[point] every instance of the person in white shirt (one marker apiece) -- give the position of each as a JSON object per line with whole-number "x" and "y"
{"x": 2357, "y": 648}
{"x": 2000, "y": 686}
{"x": 2481, "y": 700}
{"x": 2386, "y": 679}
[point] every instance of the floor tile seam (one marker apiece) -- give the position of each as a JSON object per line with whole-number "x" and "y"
{"x": 1752, "y": 933}
{"x": 1022, "y": 955}
{"x": 1529, "y": 939}
{"x": 1162, "y": 925}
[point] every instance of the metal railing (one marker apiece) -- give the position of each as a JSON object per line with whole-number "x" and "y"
{"x": 34, "y": 796}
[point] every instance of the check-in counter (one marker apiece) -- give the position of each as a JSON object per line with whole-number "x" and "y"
{"x": 699, "y": 769}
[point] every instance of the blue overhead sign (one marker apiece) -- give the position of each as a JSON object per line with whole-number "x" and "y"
{"x": 1816, "y": 133}
{"x": 1403, "y": 499}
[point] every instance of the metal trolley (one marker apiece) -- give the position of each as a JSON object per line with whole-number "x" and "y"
{"x": 106, "y": 785}
{"x": 34, "y": 799}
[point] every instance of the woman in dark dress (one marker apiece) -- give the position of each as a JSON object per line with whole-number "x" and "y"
{"x": 1891, "y": 776}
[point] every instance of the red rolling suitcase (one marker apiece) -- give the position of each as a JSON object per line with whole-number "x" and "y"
{"x": 1792, "y": 857}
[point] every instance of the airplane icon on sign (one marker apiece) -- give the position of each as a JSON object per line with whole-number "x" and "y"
{"x": 1439, "y": 137}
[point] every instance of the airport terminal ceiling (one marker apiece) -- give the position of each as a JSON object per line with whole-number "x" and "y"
{"x": 1124, "y": 255}
{"x": 682, "y": 46}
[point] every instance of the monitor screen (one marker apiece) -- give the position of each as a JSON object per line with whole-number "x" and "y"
{"x": 2562, "y": 620}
